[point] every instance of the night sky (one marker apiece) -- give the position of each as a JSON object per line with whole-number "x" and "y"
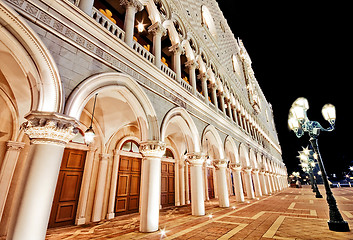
{"x": 301, "y": 50}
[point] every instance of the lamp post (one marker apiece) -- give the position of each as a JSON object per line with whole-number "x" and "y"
{"x": 306, "y": 158}
{"x": 298, "y": 122}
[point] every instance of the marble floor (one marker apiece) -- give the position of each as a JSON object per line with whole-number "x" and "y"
{"x": 291, "y": 214}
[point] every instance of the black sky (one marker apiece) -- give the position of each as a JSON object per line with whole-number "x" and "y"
{"x": 301, "y": 50}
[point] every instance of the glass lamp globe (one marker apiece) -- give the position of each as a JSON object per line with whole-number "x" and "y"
{"x": 89, "y": 136}
{"x": 329, "y": 113}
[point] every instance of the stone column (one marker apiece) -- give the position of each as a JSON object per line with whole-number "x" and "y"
{"x": 187, "y": 186}
{"x": 152, "y": 152}
{"x": 214, "y": 96}
{"x": 229, "y": 109}
{"x": 248, "y": 182}
{"x": 268, "y": 183}
{"x": 182, "y": 183}
{"x": 221, "y": 96}
{"x": 99, "y": 196}
{"x": 191, "y": 64}
{"x": 113, "y": 183}
{"x": 86, "y": 6}
{"x": 197, "y": 192}
{"x": 158, "y": 32}
{"x": 223, "y": 196}
{"x": 132, "y": 7}
{"x": 7, "y": 170}
{"x": 81, "y": 209}
{"x": 177, "y": 51}
{"x": 263, "y": 183}
{"x": 203, "y": 78}
{"x": 238, "y": 185}
{"x": 49, "y": 133}
{"x": 258, "y": 192}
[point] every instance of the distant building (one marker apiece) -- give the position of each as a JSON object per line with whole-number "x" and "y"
{"x": 179, "y": 116}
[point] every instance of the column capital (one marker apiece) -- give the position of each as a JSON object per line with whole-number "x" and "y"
{"x": 132, "y": 3}
{"x": 176, "y": 49}
{"x": 191, "y": 63}
{"x": 235, "y": 166}
{"x": 49, "y": 127}
{"x": 203, "y": 76}
{"x": 154, "y": 149}
{"x": 255, "y": 170}
{"x": 248, "y": 169}
{"x": 157, "y": 28}
{"x": 220, "y": 163}
{"x": 195, "y": 159}
{"x": 104, "y": 156}
{"x": 14, "y": 146}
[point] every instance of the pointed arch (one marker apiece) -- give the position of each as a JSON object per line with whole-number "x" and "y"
{"x": 184, "y": 120}
{"x": 244, "y": 156}
{"x": 230, "y": 148}
{"x": 211, "y": 135}
{"x": 41, "y": 72}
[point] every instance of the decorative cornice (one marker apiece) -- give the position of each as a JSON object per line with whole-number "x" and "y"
{"x": 49, "y": 128}
{"x": 152, "y": 149}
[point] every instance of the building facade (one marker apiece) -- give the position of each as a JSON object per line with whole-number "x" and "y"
{"x": 169, "y": 92}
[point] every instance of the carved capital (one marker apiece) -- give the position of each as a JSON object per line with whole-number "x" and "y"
{"x": 235, "y": 166}
{"x": 191, "y": 64}
{"x": 154, "y": 149}
{"x": 49, "y": 128}
{"x": 14, "y": 146}
{"x": 220, "y": 163}
{"x": 202, "y": 76}
{"x": 157, "y": 28}
{"x": 176, "y": 49}
{"x": 132, "y": 3}
{"x": 195, "y": 159}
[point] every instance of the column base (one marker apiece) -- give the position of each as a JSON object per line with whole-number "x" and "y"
{"x": 341, "y": 226}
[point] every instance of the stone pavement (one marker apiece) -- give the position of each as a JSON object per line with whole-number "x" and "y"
{"x": 290, "y": 214}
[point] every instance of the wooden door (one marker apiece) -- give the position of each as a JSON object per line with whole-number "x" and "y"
{"x": 68, "y": 188}
{"x": 167, "y": 184}
{"x": 210, "y": 183}
{"x": 128, "y": 186}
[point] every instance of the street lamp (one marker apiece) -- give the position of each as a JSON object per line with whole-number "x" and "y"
{"x": 299, "y": 122}
{"x": 306, "y": 158}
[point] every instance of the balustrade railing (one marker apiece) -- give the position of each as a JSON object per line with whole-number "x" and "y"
{"x": 107, "y": 24}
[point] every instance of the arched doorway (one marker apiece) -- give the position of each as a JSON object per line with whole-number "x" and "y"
{"x": 128, "y": 184}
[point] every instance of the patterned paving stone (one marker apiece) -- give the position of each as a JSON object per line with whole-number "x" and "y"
{"x": 290, "y": 214}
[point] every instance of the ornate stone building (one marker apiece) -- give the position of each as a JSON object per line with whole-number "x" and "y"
{"x": 177, "y": 114}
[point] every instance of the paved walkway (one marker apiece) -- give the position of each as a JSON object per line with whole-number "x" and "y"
{"x": 290, "y": 214}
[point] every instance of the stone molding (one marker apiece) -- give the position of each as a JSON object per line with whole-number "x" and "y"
{"x": 49, "y": 128}
{"x": 154, "y": 149}
{"x": 14, "y": 146}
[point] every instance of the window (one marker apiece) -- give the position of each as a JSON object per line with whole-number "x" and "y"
{"x": 130, "y": 146}
{"x": 208, "y": 21}
{"x": 236, "y": 66}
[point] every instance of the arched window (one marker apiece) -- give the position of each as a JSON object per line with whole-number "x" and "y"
{"x": 130, "y": 146}
{"x": 236, "y": 66}
{"x": 208, "y": 20}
